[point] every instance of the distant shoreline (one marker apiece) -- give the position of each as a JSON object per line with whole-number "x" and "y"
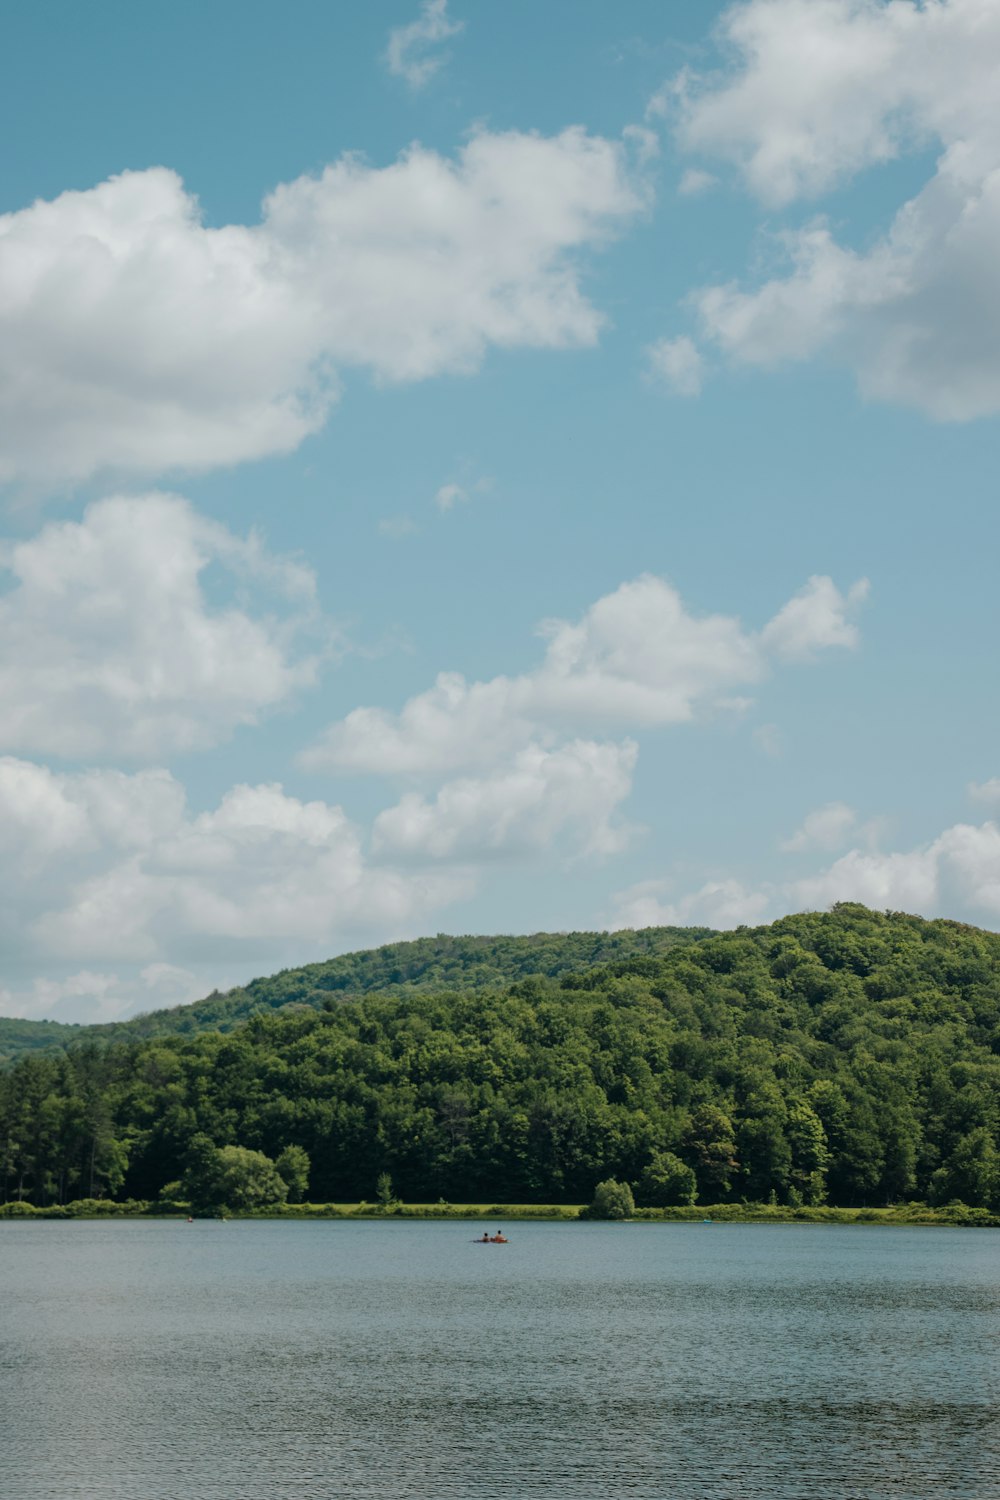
{"x": 903, "y": 1215}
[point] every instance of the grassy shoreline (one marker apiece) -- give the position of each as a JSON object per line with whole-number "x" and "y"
{"x": 953, "y": 1214}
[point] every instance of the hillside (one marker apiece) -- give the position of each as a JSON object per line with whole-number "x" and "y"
{"x": 849, "y": 1057}
{"x": 438, "y": 963}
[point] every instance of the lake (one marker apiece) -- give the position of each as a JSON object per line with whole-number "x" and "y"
{"x": 152, "y": 1360}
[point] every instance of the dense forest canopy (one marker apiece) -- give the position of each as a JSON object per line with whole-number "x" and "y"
{"x": 438, "y": 963}
{"x": 849, "y": 1057}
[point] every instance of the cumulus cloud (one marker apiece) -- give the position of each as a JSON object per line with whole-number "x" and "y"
{"x": 538, "y": 799}
{"x": 694, "y": 182}
{"x": 104, "y": 866}
{"x": 819, "y": 90}
{"x": 414, "y": 51}
{"x": 718, "y": 903}
{"x": 637, "y": 658}
{"x": 133, "y": 338}
{"x": 87, "y": 996}
{"x": 452, "y": 725}
{"x": 900, "y": 881}
{"x": 817, "y": 619}
{"x": 969, "y": 864}
{"x": 958, "y": 872}
{"x": 985, "y": 791}
{"x": 678, "y": 364}
{"x": 109, "y": 642}
{"x": 912, "y": 880}
{"x": 449, "y": 495}
{"x": 828, "y": 827}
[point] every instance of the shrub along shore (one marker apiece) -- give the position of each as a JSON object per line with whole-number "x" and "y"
{"x": 954, "y": 1214}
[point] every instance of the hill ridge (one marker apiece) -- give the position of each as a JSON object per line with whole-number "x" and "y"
{"x": 360, "y": 972}
{"x": 848, "y": 1057}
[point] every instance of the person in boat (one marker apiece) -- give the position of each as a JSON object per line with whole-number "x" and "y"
{"x": 486, "y": 1238}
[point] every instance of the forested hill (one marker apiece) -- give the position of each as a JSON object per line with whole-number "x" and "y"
{"x": 849, "y": 1057}
{"x": 439, "y": 963}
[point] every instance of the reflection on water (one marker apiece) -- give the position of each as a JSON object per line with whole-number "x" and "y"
{"x": 250, "y": 1361}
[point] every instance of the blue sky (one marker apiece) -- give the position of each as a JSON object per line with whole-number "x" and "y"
{"x": 489, "y": 468}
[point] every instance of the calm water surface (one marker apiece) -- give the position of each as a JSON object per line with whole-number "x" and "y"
{"x": 253, "y": 1361}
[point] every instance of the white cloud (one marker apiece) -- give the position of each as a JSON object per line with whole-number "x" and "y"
{"x": 135, "y": 339}
{"x": 449, "y": 495}
{"x": 108, "y": 642}
{"x": 168, "y": 984}
{"x": 452, "y": 494}
{"x": 969, "y": 863}
{"x": 88, "y": 996}
{"x": 538, "y": 799}
{"x": 695, "y": 182}
{"x": 718, "y": 903}
{"x": 414, "y": 51}
{"x": 452, "y": 725}
{"x": 83, "y": 996}
{"x": 821, "y": 89}
{"x": 678, "y": 364}
{"x": 828, "y": 827}
{"x": 957, "y": 873}
{"x": 636, "y": 658}
{"x": 901, "y": 882}
{"x": 790, "y": 318}
{"x": 102, "y": 866}
{"x": 985, "y": 791}
{"x": 815, "y": 620}
{"x": 644, "y": 142}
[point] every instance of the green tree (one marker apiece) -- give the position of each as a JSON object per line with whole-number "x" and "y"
{"x": 293, "y": 1169}
{"x": 765, "y": 1156}
{"x": 810, "y": 1153}
{"x": 230, "y": 1177}
{"x": 710, "y": 1145}
{"x": 971, "y": 1174}
{"x": 384, "y": 1190}
{"x": 201, "y": 1183}
{"x": 666, "y": 1181}
{"x": 527, "y": 1070}
{"x": 611, "y": 1200}
{"x": 249, "y": 1179}
{"x": 902, "y": 1138}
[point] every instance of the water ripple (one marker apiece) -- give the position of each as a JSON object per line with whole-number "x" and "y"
{"x": 257, "y": 1361}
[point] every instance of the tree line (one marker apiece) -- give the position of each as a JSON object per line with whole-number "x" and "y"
{"x": 432, "y": 963}
{"x": 848, "y": 1057}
